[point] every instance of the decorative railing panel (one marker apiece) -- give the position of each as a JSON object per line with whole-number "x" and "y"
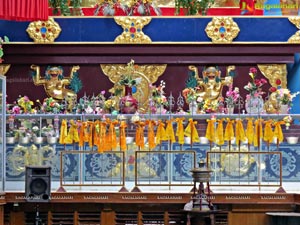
{"x": 245, "y": 168}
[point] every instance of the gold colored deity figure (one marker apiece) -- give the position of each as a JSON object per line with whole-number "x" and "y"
{"x": 54, "y": 82}
{"x": 211, "y": 85}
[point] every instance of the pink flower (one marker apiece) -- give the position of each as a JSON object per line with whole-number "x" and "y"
{"x": 16, "y": 110}
{"x": 253, "y": 70}
{"x": 257, "y": 82}
{"x": 26, "y": 99}
{"x": 263, "y": 81}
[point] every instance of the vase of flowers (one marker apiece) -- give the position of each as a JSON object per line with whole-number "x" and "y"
{"x": 50, "y": 134}
{"x": 158, "y": 100}
{"x": 191, "y": 97}
{"x": 231, "y": 98}
{"x": 50, "y": 105}
{"x": 36, "y": 135}
{"x": 11, "y": 136}
{"x": 128, "y": 104}
{"x": 23, "y": 135}
{"x": 193, "y": 107}
{"x": 283, "y": 96}
{"x": 254, "y": 102}
{"x": 284, "y": 109}
{"x": 286, "y": 100}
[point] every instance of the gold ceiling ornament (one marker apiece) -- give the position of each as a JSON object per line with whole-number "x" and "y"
{"x": 222, "y": 29}
{"x": 4, "y": 68}
{"x": 132, "y": 29}
{"x": 296, "y": 37}
{"x": 44, "y": 31}
{"x": 148, "y": 74}
{"x": 273, "y": 72}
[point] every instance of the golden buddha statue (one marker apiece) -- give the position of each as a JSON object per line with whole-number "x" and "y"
{"x": 211, "y": 85}
{"x": 54, "y": 82}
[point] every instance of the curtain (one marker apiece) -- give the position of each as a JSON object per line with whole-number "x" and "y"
{"x": 24, "y": 10}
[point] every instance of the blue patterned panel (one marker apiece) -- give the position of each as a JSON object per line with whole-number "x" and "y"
{"x": 200, "y": 149}
{"x": 70, "y": 164}
{"x": 290, "y": 164}
{"x": 183, "y": 163}
{"x": 152, "y": 167}
{"x": 160, "y": 29}
{"x": 104, "y": 167}
{"x": 18, "y": 156}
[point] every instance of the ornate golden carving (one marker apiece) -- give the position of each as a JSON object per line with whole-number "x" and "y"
{"x": 44, "y": 31}
{"x": 273, "y": 72}
{"x": 22, "y": 156}
{"x": 211, "y": 84}
{"x": 295, "y": 20}
{"x": 4, "y": 68}
{"x": 148, "y": 73}
{"x": 222, "y": 29}
{"x": 132, "y": 29}
{"x": 54, "y": 82}
{"x": 296, "y": 37}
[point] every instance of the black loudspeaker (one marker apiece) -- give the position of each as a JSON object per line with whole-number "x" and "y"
{"x": 37, "y": 184}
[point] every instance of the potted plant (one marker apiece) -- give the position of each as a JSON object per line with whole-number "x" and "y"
{"x": 11, "y": 136}
{"x": 283, "y": 96}
{"x": 193, "y": 7}
{"x": 158, "y": 100}
{"x": 232, "y": 96}
{"x": 50, "y": 134}
{"x": 63, "y": 7}
{"x": 36, "y": 135}
{"x": 23, "y": 135}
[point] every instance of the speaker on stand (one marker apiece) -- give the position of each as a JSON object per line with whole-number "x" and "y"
{"x": 38, "y": 187}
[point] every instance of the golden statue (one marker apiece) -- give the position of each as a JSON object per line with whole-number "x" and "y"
{"x": 211, "y": 85}
{"x": 54, "y": 82}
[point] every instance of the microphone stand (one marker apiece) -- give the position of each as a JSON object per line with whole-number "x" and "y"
{"x": 38, "y": 220}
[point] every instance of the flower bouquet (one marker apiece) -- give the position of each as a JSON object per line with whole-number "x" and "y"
{"x": 50, "y": 133}
{"x": 232, "y": 96}
{"x": 254, "y": 101}
{"x": 192, "y": 97}
{"x": 50, "y": 105}
{"x": 25, "y": 103}
{"x": 283, "y": 97}
{"x": 128, "y": 104}
{"x": 158, "y": 99}
{"x": 36, "y": 135}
